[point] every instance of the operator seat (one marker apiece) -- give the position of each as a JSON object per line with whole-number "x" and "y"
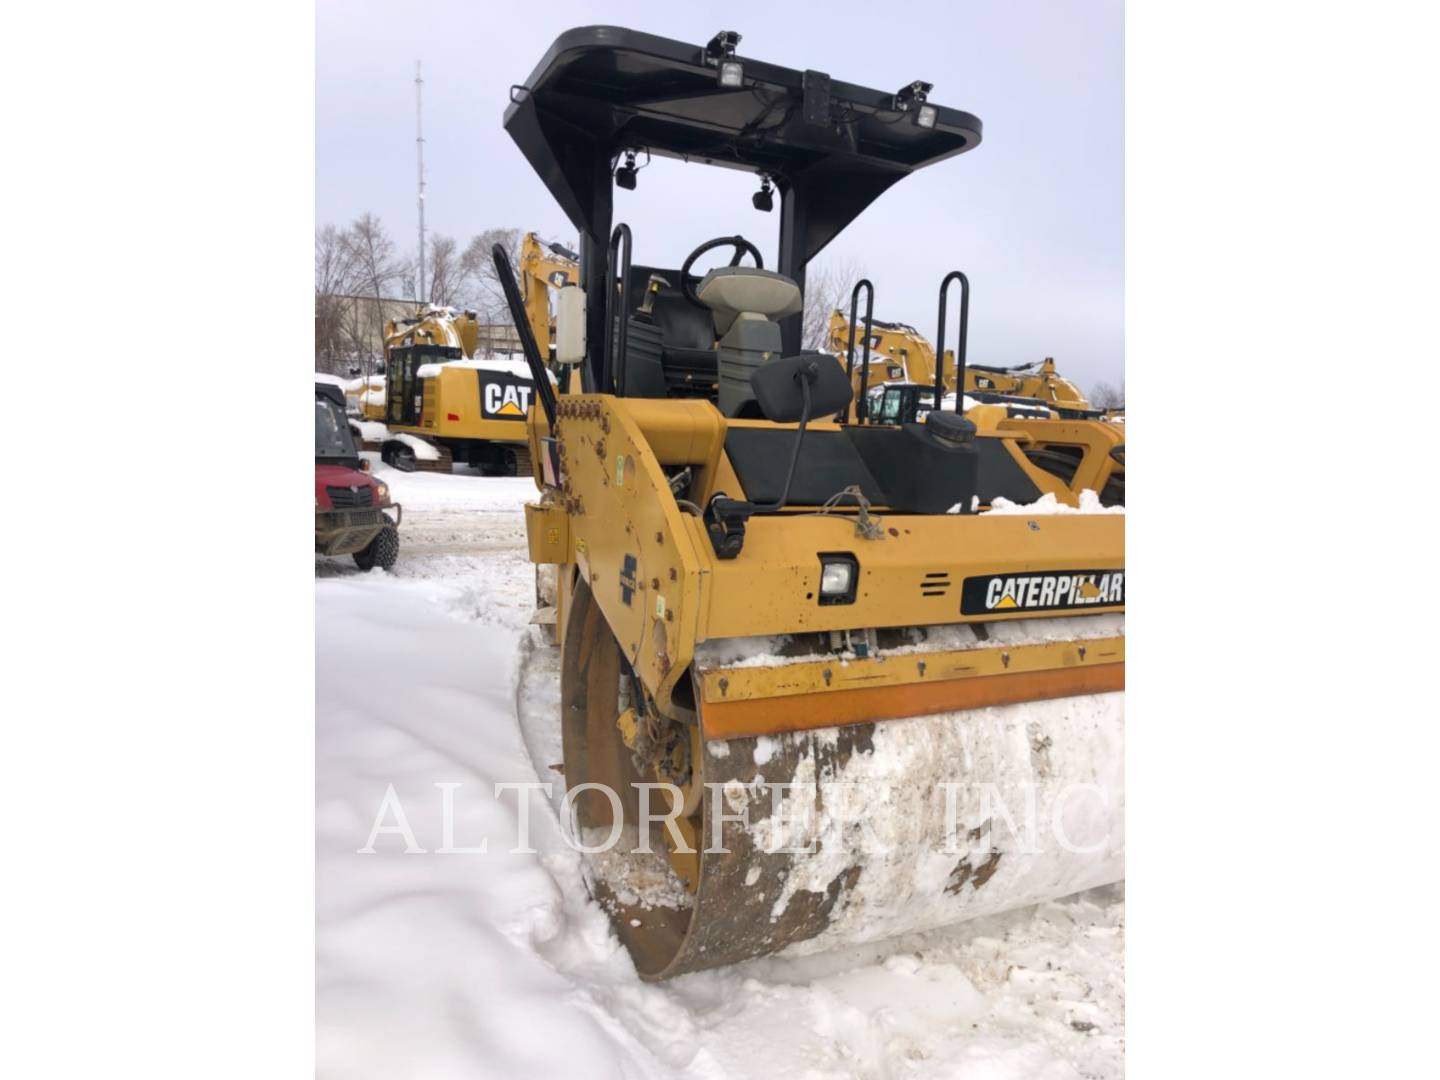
{"x": 746, "y": 302}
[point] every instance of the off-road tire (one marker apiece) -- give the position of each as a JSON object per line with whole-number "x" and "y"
{"x": 381, "y": 552}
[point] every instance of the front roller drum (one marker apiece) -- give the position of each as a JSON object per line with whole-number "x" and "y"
{"x": 817, "y": 839}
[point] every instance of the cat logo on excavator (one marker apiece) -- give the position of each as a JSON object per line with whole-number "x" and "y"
{"x": 511, "y": 400}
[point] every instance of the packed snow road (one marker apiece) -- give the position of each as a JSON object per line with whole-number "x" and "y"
{"x": 447, "y": 947}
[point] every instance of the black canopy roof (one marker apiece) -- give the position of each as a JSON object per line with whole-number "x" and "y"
{"x": 832, "y": 147}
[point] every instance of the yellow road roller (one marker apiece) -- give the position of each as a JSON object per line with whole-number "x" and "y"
{"x": 823, "y": 679}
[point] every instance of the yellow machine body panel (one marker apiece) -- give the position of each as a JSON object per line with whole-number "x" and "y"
{"x": 656, "y": 578}
{"x": 914, "y": 577}
{"x": 458, "y": 402}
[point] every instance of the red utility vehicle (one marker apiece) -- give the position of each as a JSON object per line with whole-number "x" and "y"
{"x": 352, "y": 508}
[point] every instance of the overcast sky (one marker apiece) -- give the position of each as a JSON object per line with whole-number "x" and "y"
{"x": 1034, "y": 215}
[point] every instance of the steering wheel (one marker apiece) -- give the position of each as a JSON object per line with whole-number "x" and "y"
{"x": 742, "y": 247}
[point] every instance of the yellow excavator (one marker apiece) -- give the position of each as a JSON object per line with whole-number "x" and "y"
{"x": 901, "y": 354}
{"x": 443, "y": 403}
{"x": 818, "y": 673}
{"x": 1053, "y": 432}
{"x": 1037, "y": 381}
{"x": 545, "y": 267}
{"x": 898, "y": 352}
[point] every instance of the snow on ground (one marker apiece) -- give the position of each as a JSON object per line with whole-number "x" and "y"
{"x": 447, "y": 963}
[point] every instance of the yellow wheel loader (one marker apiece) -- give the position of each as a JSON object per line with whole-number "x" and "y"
{"x": 809, "y": 696}
{"x": 442, "y": 403}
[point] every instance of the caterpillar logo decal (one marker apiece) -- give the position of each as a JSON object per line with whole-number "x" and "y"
{"x": 1046, "y": 590}
{"x": 503, "y": 396}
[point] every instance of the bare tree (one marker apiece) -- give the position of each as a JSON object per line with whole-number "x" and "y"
{"x": 445, "y": 275}
{"x": 478, "y": 268}
{"x": 1106, "y": 396}
{"x": 480, "y": 286}
{"x": 377, "y": 268}
{"x": 826, "y": 290}
{"x": 334, "y": 277}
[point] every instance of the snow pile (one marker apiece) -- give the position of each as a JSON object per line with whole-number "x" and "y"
{"x": 371, "y": 430}
{"x": 467, "y": 495}
{"x": 429, "y": 964}
{"x": 356, "y": 385}
{"x": 779, "y": 650}
{"x": 424, "y": 451}
{"x": 437, "y": 961}
{"x": 947, "y": 403}
{"x": 1048, "y": 504}
{"x": 635, "y": 880}
{"x": 501, "y": 364}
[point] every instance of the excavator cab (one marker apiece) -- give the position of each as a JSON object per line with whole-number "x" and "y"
{"x": 758, "y": 586}
{"x": 902, "y": 403}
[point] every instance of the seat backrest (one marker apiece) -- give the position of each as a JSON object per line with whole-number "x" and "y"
{"x": 683, "y": 361}
{"x": 682, "y": 324}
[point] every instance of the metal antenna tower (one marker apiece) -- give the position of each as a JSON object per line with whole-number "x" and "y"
{"x": 420, "y": 168}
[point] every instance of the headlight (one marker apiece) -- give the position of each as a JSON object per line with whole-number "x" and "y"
{"x": 382, "y": 491}
{"x": 838, "y": 574}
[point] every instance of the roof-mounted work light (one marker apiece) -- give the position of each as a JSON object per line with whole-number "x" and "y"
{"x": 720, "y": 53}
{"x": 911, "y": 99}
